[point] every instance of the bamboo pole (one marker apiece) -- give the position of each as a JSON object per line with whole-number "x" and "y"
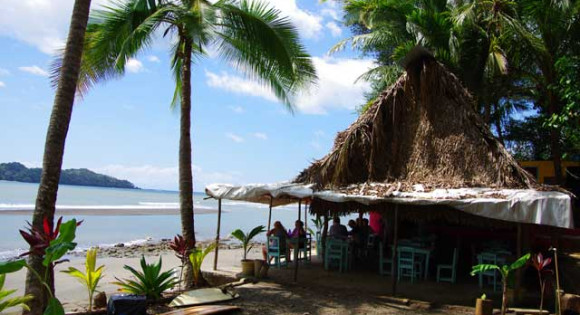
{"x": 217, "y": 237}
{"x": 394, "y": 270}
{"x": 519, "y": 250}
{"x": 297, "y": 245}
{"x": 270, "y": 214}
{"x": 306, "y": 216}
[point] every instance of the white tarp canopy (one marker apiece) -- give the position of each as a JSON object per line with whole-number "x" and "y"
{"x": 515, "y": 205}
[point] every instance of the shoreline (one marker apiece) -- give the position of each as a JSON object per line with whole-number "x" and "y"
{"x": 111, "y": 211}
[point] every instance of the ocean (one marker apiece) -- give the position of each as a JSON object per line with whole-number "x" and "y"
{"x": 113, "y": 215}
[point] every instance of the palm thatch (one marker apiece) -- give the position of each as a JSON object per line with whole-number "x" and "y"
{"x": 424, "y": 129}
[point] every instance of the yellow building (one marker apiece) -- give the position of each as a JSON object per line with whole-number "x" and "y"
{"x": 544, "y": 170}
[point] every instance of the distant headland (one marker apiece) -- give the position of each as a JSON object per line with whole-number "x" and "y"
{"x": 17, "y": 172}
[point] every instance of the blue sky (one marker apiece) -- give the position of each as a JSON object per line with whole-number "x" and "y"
{"x": 126, "y": 128}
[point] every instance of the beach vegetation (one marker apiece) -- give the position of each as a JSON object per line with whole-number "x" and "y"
{"x": 58, "y": 126}
{"x": 50, "y": 245}
{"x": 246, "y": 238}
{"x": 196, "y": 257}
{"x": 92, "y": 275}
{"x": 505, "y": 272}
{"x": 181, "y": 248}
{"x": 250, "y": 35}
{"x": 6, "y": 302}
{"x": 540, "y": 264}
{"x": 148, "y": 281}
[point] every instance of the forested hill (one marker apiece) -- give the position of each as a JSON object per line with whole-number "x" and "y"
{"x": 17, "y": 172}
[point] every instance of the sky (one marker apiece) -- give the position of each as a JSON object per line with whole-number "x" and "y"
{"x": 126, "y": 128}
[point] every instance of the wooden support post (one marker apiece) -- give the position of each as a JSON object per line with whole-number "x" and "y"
{"x": 297, "y": 245}
{"x": 306, "y": 216}
{"x": 394, "y": 269}
{"x": 519, "y": 250}
{"x": 270, "y": 214}
{"x": 323, "y": 238}
{"x": 217, "y": 237}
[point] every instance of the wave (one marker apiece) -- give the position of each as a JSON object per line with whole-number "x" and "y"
{"x": 140, "y": 206}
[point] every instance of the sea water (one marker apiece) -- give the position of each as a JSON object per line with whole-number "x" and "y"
{"x": 113, "y": 228}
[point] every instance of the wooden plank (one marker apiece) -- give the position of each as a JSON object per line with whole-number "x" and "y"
{"x": 217, "y": 237}
{"x": 204, "y": 309}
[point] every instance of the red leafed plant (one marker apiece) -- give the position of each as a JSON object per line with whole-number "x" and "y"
{"x": 39, "y": 239}
{"x": 540, "y": 263}
{"x": 182, "y": 248}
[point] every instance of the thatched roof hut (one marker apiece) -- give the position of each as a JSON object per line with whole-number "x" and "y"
{"x": 423, "y": 129}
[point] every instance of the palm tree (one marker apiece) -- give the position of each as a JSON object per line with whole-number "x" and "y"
{"x": 54, "y": 146}
{"x": 555, "y": 29}
{"x": 251, "y": 35}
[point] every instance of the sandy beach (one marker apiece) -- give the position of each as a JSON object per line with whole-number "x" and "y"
{"x": 73, "y": 295}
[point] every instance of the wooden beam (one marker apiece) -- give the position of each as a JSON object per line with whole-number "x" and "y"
{"x": 297, "y": 245}
{"x": 270, "y": 214}
{"x": 394, "y": 270}
{"x": 217, "y": 237}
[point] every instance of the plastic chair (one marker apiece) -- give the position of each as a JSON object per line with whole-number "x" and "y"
{"x": 306, "y": 250}
{"x": 336, "y": 252}
{"x": 277, "y": 252}
{"x": 385, "y": 263}
{"x": 318, "y": 245}
{"x": 408, "y": 265}
{"x": 490, "y": 275}
{"x": 452, "y": 268}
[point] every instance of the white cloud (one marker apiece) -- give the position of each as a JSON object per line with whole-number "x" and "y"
{"x": 335, "y": 30}
{"x": 336, "y": 85}
{"x": 40, "y": 23}
{"x": 2, "y": 84}
{"x": 36, "y": 70}
{"x": 153, "y": 58}
{"x": 155, "y": 177}
{"x": 134, "y": 65}
{"x": 261, "y": 135}
{"x": 234, "y": 137}
{"x": 239, "y": 85}
{"x": 336, "y": 88}
{"x": 308, "y": 23}
{"x": 237, "y": 109}
{"x": 331, "y": 9}
{"x": 4, "y": 72}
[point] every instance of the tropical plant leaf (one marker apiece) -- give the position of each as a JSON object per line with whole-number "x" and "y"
{"x": 483, "y": 268}
{"x": 54, "y": 307}
{"x": 150, "y": 281}
{"x": 12, "y": 266}
{"x": 520, "y": 262}
{"x": 6, "y": 302}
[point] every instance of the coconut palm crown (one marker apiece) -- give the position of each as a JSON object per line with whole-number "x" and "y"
{"x": 248, "y": 34}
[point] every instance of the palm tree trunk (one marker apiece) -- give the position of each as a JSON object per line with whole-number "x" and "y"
{"x": 185, "y": 172}
{"x": 54, "y": 147}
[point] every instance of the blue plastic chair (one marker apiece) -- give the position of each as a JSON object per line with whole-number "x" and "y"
{"x": 408, "y": 264}
{"x": 385, "y": 263}
{"x": 305, "y": 251}
{"x": 336, "y": 251}
{"x": 490, "y": 275}
{"x": 277, "y": 252}
{"x": 452, "y": 268}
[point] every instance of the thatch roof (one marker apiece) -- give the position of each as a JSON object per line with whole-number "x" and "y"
{"x": 424, "y": 129}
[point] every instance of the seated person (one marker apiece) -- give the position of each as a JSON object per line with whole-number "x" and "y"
{"x": 299, "y": 233}
{"x": 280, "y": 232}
{"x": 337, "y": 230}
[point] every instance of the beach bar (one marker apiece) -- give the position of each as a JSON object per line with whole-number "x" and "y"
{"x": 421, "y": 153}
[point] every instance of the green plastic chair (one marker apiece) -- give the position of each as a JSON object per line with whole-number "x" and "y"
{"x": 408, "y": 264}
{"x": 490, "y": 275}
{"x": 277, "y": 252}
{"x": 305, "y": 252}
{"x": 385, "y": 263}
{"x": 452, "y": 268}
{"x": 336, "y": 251}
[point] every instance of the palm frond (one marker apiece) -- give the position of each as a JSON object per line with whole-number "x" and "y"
{"x": 257, "y": 40}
